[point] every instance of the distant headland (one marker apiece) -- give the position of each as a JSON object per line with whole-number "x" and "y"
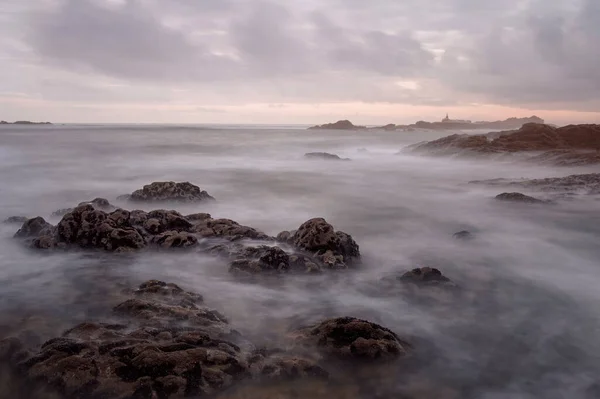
{"x": 445, "y": 124}
{"x": 24, "y": 123}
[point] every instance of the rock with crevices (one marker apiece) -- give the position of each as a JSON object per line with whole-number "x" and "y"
{"x": 169, "y": 191}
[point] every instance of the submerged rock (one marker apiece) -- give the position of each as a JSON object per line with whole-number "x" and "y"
{"x": 324, "y": 156}
{"x": 227, "y": 229}
{"x": 463, "y": 235}
{"x": 518, "y": 197}
{"x": 170, "y": 191}
{"x": 426, "y": 276}
{"x": 352, "y": 338}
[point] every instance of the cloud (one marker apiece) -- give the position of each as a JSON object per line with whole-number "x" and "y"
{"x": 526, "y": 53}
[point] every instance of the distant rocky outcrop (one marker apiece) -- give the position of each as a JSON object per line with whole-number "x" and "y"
{"x": 325, "y": 156}
{"x": 24, "y": 123}
{"x": 339, "y": 125}
{"x": 565, "y": 146}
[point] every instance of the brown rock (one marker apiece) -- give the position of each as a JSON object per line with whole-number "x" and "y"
{"x": 351, "y": 338}
{"x": 170, "y": 191}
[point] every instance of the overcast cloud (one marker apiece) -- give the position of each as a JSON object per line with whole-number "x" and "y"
{"x": 77, "y": 59}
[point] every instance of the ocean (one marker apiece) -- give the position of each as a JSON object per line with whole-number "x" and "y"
{"x": 528, "y": 328}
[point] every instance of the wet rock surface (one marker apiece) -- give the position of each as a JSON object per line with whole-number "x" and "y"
{"x": 335, "y": 249}
{"x": 426, "y": 276}
{"x": 352, "y": 338}
{"x": 163, "y": 342}
{"x": 170, "y": 192}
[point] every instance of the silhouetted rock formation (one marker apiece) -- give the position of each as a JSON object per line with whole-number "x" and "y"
{"x": 339, "y": 125}
{"x": 325, "y": 156}
{"x": 24, "y": 123}
{"x": 568, "y": 145}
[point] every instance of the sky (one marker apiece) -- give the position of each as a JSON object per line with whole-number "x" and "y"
{"x": 298, "y": 61}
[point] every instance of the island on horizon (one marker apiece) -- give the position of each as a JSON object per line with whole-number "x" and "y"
{"x": 445, "y": 124}
{"x": 24, "y": 123}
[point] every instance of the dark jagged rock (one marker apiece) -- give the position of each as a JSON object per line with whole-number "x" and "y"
{"x": 87, "y": 227}
{"x": 170, "y": 192}
{"x": 149, "y": 355}
{"x": 261, "y": 259}
{"x": 15, "y": 220}
{"x": 336, "y": 250}
{"x": 175, "y": 239}
{"x": 228, "y": 229}
{"x": 34, "y": 228}
{"x": 352, "y": 338}
{"x": 518, "y": 197}
{"x": 324, "y": 156}
{"x": 426, "y": 276}
{"x": 339, "y": 125}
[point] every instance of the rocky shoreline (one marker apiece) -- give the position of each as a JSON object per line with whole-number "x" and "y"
{"x": 572, "y": 145}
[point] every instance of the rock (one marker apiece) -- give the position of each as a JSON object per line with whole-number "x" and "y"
{"x": 152, "y": 355}
{"x": 170, "y": 191}
{"x": 15, "y": 220}
{"x": 284, "y": 367}
{"x": 159, "y": 221}
{"x": 352, "y": 338}
{"x": 198, "y": 217}
{"x": 86, "y": 227}
{"x": 174, "y": 239}
{"x": 97, "y": 203}
{"x": 426, "y": 276}
{"x": 463, "y": 235}
{"x": 261, "y": 259}
{"x": 568, "y": 145}
{"x": 227, "y": 229}
{"x": 34, "y": 228}
{"x": 335, "y": 249}
{"x": 339, "y": 125}
{"x": 325, "y": 156}
{"x": 518, "y": 197}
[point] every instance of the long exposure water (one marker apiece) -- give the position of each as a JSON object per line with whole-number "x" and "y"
{"x": 530, "y": 328}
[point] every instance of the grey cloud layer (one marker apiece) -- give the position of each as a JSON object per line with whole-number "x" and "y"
{"x": 519, "y": 52}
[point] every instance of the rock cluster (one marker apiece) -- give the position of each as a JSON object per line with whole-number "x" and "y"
{"x": 163, "y": 342}
{"x": 314, "y": 247}
{"x": 568, "y": 145}
{"x": 575, "y": 184}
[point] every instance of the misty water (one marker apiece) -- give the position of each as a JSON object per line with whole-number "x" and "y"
{"x": 526, "y": 325}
